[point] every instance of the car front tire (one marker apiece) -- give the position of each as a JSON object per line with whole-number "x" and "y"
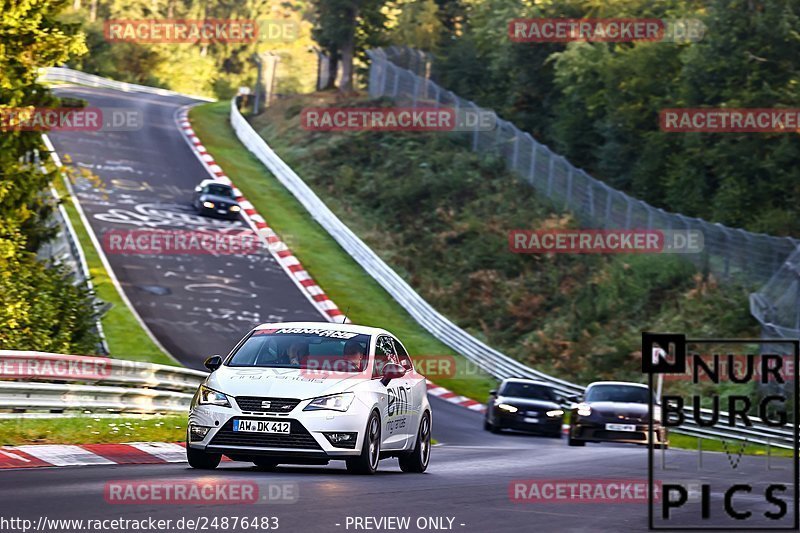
{"x": 367, "y": 461}
{"x": 202, "y": 460}
{"x": 417, "y": 460}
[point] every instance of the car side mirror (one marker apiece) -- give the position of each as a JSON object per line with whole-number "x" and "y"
{"x": 213, "y": 362}
{"x": 198, "y": 189}
{"x": 493, "y": 392}
{"x": 392, "y": 371}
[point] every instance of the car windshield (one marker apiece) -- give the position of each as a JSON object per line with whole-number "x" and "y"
{"x": 618, "y": 393}
{"x": 219, "y": 190}
{"x": 532, "y": 391}
{"x": 310, "y": 349}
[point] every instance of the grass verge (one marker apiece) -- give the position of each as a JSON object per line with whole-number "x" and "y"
{"x": 125, "y": 336}
{"x": 345, "y": 282}
{"x": 730, "y": 447}
{"x": 90, "y": 430}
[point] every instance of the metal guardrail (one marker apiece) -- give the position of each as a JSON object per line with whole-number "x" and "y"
{"x": 59, "y": 397}
{"x": 37, "y": 381}
{"x": 72, "y": 254}
{"x": 488, "y": 359}
{"x": 68, "y": 75}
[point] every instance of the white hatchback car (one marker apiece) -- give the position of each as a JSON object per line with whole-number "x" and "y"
{"x": 308, "y": 392}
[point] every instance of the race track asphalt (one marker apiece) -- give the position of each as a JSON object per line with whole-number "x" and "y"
{"x": 196, "y": 305}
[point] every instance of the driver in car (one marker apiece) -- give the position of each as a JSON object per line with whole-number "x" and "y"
{"x": 352, "y": 355}
{"x": 296, "y": 352}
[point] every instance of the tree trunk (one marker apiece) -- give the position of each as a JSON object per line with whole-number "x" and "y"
{"x": 333, "y": 67}
{"x": 348, "y": 52}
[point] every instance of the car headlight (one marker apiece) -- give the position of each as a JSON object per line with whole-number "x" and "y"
{"x": 584, "y": 409}
{"x": 334, "y": 402}
{"x": 209, "y": 205}
{"x": 506, "y": 407}
{"x": 235, "y": 208}
{"x": 212, "y": 397}
{"x": 555, "y": 412}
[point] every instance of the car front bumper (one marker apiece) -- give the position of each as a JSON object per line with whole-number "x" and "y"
{"x": 518, "y": 422}
{"x": 596, "y": 431}
{"x": 219, "y": 213}
{"x": 306, "y": 438}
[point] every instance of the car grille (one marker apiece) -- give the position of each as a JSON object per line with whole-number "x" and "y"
{"x": 625, "y": 418}
{"x": 298, "y": 438}
{"x": 277, "y": 405}
{"x": 620, "y": 435}
{"x": 534, "y": 412}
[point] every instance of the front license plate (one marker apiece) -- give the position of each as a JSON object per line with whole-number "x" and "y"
{"x": 620, "y": 427}
{"x": 221, "y": 211}
{"x": 531, "y": 420}
{"x": 261, "y": 426}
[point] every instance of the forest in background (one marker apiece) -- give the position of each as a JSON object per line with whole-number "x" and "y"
{"x": 595, "y": 103}
{"x": 598, "y": 104}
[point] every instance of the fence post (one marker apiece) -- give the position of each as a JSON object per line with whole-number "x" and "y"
{"x": 550, "y": 173}
{"x": 384, "y": 68}
{"x": 396, "y": 81}
{"x": 534, "y": 152}
{"x": 568, "y": 199}
{"x": 727, "y": 260}
{"x": 628, "y": 213}
{"x": 475, "y": 131}
{"x": 516, "y": 152}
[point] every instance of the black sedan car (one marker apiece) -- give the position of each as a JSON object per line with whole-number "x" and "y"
{"x": 614, "y": 411}
{"x": 212, "y": 198}
{"x": 525, "y": 405}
